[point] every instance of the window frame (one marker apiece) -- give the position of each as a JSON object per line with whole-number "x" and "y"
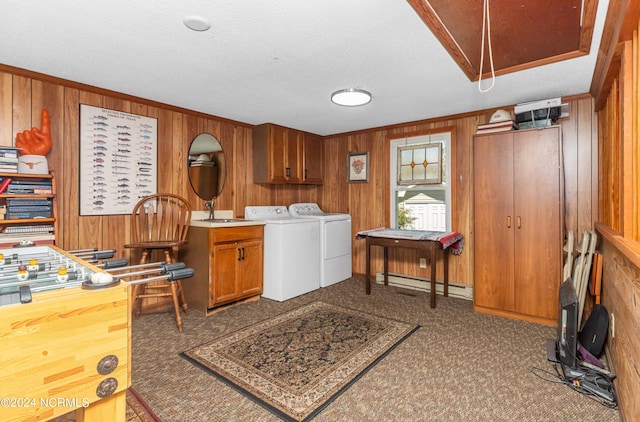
{"x": 397, "y": 140}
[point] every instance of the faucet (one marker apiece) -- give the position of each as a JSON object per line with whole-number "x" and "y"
{"x": 209, "y": 205}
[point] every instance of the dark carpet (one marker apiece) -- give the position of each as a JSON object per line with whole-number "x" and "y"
{"x": 459, "y": 366}
{"x": 137, "y": 410}
{"x": 296, "y": 363}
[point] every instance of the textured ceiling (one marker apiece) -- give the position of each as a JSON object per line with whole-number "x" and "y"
{"x": 271, "y": 61}
{"x": 522, "y": 34}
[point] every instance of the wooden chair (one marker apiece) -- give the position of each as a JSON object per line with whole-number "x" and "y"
{"x": 160, "y": 222}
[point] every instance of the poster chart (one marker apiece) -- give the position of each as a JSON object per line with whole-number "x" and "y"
{"x": 118, "y": 160}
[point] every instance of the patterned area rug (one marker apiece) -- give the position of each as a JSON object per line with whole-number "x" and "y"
{"x": 298, "y": 362}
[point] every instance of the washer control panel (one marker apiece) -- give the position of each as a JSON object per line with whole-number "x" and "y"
{"x": 265, "y": 212}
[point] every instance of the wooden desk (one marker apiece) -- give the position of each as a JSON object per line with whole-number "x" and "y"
{"x": 413, "y": 239}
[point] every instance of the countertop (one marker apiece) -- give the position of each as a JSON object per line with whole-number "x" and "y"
{"x": 223, "y": 218}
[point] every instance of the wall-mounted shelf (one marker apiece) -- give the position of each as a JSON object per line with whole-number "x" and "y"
{"x": 36, "y": 198}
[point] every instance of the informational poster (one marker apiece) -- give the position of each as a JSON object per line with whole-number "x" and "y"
{"x": 118, "y": 160}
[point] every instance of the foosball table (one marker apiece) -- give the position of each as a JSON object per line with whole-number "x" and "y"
{"x": 65, "y": 333}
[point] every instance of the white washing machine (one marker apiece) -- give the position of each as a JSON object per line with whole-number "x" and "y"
{"x": 335, "y": 241}
{"x": 291, "y": 249}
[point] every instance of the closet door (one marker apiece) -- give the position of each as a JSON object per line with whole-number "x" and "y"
{"x": 537, "y": 208}
{"x": 493, "y": 221}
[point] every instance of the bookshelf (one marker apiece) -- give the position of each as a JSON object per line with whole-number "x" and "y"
{"x": 28, "y": 209}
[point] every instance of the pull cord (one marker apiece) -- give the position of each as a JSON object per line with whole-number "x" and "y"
{"x": 486, "y": 20}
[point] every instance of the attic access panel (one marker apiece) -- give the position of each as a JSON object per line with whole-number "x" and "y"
{"x": 524, "y": 33}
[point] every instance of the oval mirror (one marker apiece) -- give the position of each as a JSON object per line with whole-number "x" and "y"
{"x": 207, "y": 168}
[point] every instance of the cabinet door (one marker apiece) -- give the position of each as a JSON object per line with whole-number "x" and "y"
{"x": 538, "y": 237}
{"x": 293, "y": 167}
{"x": 313, "y": 159}
{"x": 250, "y": 268}
{"x": 224, "y": 284}
{"x": 278, "y": 153}
{"x": 493, "y": 221}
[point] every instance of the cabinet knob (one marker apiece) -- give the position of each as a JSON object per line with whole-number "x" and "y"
{"x": 508, "y": 221}
{"x": 519, "y": 222}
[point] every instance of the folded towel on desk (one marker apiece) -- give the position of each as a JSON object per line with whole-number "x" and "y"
{"x": 454, "y": 240}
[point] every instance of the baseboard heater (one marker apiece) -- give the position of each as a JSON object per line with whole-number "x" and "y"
{"x": 460, "y": 291}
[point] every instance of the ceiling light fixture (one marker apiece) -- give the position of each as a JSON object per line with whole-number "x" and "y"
{"x": 351, "y": 97}
{"x": 196, "y": 23}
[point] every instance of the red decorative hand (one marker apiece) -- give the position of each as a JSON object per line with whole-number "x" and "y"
{"x": 36, "y": 141}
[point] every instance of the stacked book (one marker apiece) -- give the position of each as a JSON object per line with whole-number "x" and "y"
{"x": 28, "y": 208}
{"x": 8, "y": 160}
{"x": 503, "y": 126}
{"x": 21, "y": 230}
{"x": 30, "y": 186}
{"x": 8, "y": 240}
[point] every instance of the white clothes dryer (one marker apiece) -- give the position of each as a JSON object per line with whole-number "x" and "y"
{"x": 291, "y": 250}
{"x": 335, "y": 241}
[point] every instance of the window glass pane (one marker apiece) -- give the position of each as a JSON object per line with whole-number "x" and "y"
{"x": 432, "y": 172}
{"x": 406, "y": 173}
{"x": 432, "y": 155}
{"x": 422, "y": 210}
{"x": 406, "y": 157}
{"x": 419, "y": 171}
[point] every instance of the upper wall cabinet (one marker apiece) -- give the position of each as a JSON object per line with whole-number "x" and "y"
{"x": 313, "y": 159}
{"x": 284, "y": 155}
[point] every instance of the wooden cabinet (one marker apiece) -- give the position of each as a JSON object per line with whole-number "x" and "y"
{"x": 517, "y": 205}
{"x": 29, "y": 209}
{"x": 228, "y": 265}
{"x": 313, "y": 159}
{"x": 287, "y": 156}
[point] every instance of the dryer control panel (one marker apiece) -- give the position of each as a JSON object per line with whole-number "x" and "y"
{"x": 305, "y": 210}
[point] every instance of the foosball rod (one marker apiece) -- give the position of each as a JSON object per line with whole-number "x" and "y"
{"x": 96, "y": 255}
{"x": 42, "y": 265}
{"x": 50, "y": 257}
{"x": 41, "y": 276}
{"x": 172, "y": 275}
{"x": 57, "y": 285}
{"x": 150, "y": 264}
{"x": 160, "y": 267}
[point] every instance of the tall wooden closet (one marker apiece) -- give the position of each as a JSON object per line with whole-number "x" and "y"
{"x": 518, "y": 223}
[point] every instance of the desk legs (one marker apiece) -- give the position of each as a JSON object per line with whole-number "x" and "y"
{"x": 386, "y": 266}
{"x": 445, "y": 254}
{"x": 367, "y": 274}
{"x": 433, "y": 274}
{"x": 434, "y": 248}
{"x": 445, "y": 263}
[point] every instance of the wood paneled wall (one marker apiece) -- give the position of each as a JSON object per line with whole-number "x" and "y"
{"x": 619, "y": 146}
{"x": 369, "y": 203}
{"x": 21, "y": 100}
{"x": 22, "y": 96}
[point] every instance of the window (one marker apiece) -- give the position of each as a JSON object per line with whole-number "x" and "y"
{"x": 420, "y": 164}
{"x": 420, "y": 182}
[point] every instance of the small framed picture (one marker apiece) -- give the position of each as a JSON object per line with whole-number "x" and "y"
{"x": 358, "y": 167}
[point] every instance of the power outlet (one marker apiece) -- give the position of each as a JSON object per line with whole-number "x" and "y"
{"x": 423, "y": 262}
{"x": 612, "y": 325}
